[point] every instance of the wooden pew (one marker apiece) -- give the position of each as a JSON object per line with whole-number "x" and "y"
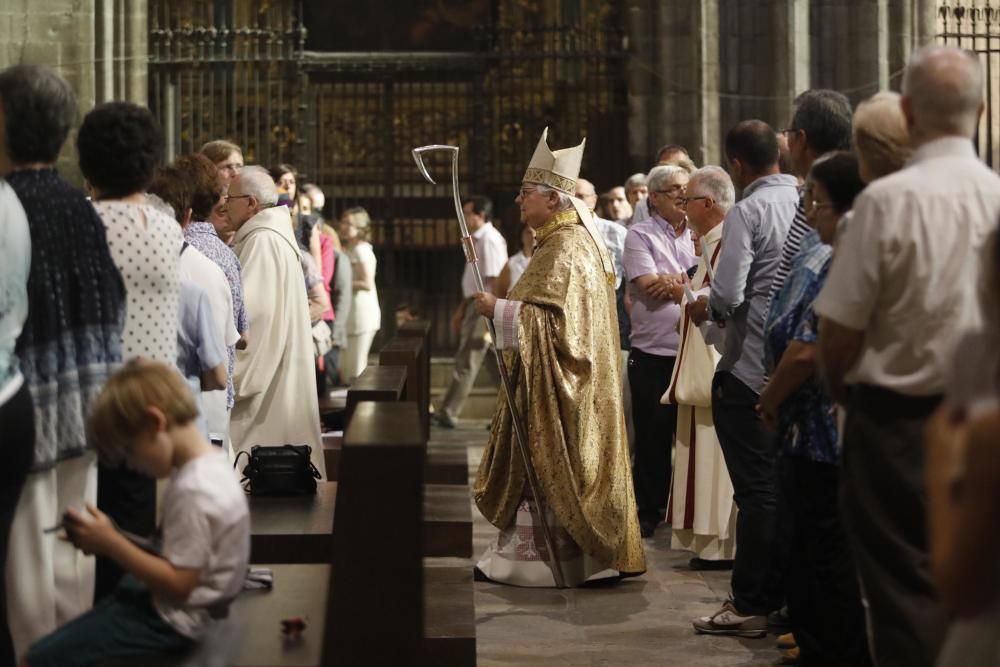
{"x": 376, "y": 383}
{"x": 445, "y": 464}
{"x": 421, "y": 329}
{"x": 449, "y": 638}
{"x": 378, "y": 590}
{"x": 303, "y": 529}
{"x": 407, "y": 352}
{"x": 300, "y": 529}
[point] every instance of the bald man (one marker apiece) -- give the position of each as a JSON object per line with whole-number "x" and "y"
{"x": 897, "y": 298}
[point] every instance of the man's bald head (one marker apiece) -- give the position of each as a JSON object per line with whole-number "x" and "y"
{"x": 585, "y": 191}
{"x": 942, "y": 92}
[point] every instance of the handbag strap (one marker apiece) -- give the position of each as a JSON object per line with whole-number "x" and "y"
{"x": 305, "y": 455}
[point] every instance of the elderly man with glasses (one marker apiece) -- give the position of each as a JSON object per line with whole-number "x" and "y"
{"x": 557, "y": 325}
{"x": 276, "y": 399}
{"x": 658, "y": 253}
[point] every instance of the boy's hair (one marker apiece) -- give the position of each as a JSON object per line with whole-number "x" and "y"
{"x": 119, "y": 416}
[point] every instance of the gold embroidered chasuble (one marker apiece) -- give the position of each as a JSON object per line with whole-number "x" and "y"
{"x": 567, "y": 386}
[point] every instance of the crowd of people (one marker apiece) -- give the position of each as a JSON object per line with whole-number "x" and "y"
{"x": 225, "y": 277}
{"x": 789, "y": 359}
{"x": 787, "y": 349}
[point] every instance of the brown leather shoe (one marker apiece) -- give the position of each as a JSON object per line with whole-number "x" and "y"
{"x": 790, "y": 657}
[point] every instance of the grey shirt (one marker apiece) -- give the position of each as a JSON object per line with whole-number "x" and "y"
{"x": 752, "y": 239}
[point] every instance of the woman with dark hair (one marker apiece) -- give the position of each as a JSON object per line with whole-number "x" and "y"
{"x": 69, "y": 345}
{"x": 119, "y": 147}
{"x": 285, "y": 177}
{"x": 824, "y": 602}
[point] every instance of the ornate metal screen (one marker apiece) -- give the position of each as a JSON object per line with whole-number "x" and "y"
{"x": 238, "y": 69}
{"x": 975, "y": 25}
{"x": 227, "y": 69}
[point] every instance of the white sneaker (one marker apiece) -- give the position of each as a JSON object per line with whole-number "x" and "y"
{"x": 727, "y": 621}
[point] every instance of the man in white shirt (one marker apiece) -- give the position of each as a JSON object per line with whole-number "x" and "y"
{"x": 899, "y": 294}
{"x": 491, "y": 249}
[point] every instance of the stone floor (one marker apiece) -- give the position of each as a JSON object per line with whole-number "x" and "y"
{"x": 642, "y": 621}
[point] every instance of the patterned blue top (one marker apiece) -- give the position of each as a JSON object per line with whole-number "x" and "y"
{"x": 807, "y": 424}
{"x": 202, "y": 236}
{"x": 72, "y": 339}
{"x": 15, "y": 258}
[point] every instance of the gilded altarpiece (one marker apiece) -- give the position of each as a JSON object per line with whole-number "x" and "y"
{"x": 343, "y": 90}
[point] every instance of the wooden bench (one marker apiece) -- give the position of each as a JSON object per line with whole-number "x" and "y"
{"x": 421, "y": 329}
{"x": 445, "y": 464}
{"x": 449, "y": 638}
{"x": 376, "y": 383}
{"x": 407, "y": 352}
{"x": 369, "y": 607}
{"x": 302, "y": 529}
{"x": 331, "y": 411}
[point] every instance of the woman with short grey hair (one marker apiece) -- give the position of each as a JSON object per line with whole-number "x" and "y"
{"x": 69, "y": 346}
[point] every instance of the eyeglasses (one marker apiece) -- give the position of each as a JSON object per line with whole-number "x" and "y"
{"x": 526, "y": 191}
{"x": 228, "y": 197}
{"x": 810, "y": 203}
{"x": 674, "y": 192}
{"x": 684, "y": 201}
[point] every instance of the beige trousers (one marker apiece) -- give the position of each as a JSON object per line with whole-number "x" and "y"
{"x": 49, "y": 582}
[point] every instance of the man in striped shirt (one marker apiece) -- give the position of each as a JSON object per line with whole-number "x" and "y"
{"x": 820, "y": 123}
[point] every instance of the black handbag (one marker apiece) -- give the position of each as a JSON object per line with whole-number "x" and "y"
{"x": 283, "y": 470}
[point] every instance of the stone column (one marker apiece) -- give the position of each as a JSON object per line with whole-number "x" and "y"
{"x": 99, "y": 46}
{"x": 790, "y": 36}
{"x": 912, "y": 24}
{"x": 672, "y": 77}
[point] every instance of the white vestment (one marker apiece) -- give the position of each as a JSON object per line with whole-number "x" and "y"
{"x": 275, "y": 380}
{"x": 701, "y": 508}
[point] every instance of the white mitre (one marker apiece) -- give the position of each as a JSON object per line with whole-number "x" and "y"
{"x": 557, "y": 169}
{"x": 560, "y": 170}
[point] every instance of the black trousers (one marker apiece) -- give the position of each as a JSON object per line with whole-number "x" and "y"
{"x": 824, "y": 601}
{"x": 129, "y": 498}
{"x": 655, "y": 424}
{"x": 884, "y": 508}
{"x": 17, "y": 426}
{"x": 751, "y": 457}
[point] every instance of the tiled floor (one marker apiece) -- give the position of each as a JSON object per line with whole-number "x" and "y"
{"x": 643, "y": 621}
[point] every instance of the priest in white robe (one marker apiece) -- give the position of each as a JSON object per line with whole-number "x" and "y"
{"x": 701, "y": 507}
{"x": 276, "y": 400}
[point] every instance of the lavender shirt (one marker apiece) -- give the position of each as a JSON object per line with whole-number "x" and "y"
{"x": 652, "y": 246}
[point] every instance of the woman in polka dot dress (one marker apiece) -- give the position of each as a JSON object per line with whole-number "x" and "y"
{"x": 119, "y": 146}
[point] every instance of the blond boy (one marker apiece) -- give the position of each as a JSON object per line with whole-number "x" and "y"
{"x": 146, "y": 416}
